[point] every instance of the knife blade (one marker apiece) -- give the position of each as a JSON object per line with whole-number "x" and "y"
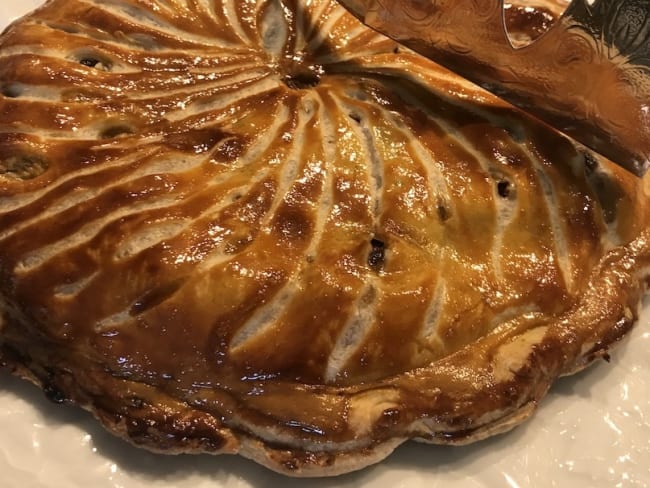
{"x": 588, "y": 75}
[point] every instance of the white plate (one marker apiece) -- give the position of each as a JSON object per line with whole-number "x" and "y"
{"x": 590, "y": 431}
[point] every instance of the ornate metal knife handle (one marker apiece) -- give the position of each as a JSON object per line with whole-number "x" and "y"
{"x": 588, "y": 75}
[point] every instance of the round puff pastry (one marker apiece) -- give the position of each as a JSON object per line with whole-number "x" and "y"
{"x": 261, "y": 228}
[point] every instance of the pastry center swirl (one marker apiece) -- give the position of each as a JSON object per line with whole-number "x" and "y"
{"x": 213, "y": 191}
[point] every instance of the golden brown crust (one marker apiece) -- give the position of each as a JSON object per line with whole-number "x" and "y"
{"x": 233, "y": 227}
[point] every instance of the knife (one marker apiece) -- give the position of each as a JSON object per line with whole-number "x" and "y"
{"x": 588, "y": 75}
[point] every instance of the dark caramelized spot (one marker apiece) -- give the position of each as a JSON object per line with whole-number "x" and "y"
{"x": 138, "y": 428}
{"x": 196, "y": 141}
{"x": 90, "y": 62}
{"x": 136, "y": 402}
{"x": 505, "y": 189}
{"x": 355, "y": 116}
{"x": 229, "y": 149}
{"x": 377, "y": 256}
{"x": 155, "y": 296}
{"x": 389, "y": 417}
{"x": 591, "y": 164}
{"x": 302, "y": 79}
{"x": 292, "y": 225}
{"x": 609, "y": 194}
{"x": 23, "y": 167}
{"x": 444, "y": 214}
{"x": 53, "y": 394}
{"x": 299, "y": 75}
{"x": 67, "y": 28}
{"x": 116, "y": 130}
{"x": 91, "y": 58}
{"x": 11, "y": 90}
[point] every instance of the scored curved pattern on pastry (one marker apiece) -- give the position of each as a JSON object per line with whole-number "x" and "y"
{"x": 262, "y": 228}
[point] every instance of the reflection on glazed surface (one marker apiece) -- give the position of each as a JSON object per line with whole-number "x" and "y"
{"x": 589, "y": 74}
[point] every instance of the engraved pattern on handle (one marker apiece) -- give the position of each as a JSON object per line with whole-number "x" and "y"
{"x": 588, "y": 75}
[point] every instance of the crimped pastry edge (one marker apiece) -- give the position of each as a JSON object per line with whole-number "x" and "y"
{"x": 300, "y": 462}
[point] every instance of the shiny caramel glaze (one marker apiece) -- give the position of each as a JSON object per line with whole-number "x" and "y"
{"x": 260, "y": 227}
